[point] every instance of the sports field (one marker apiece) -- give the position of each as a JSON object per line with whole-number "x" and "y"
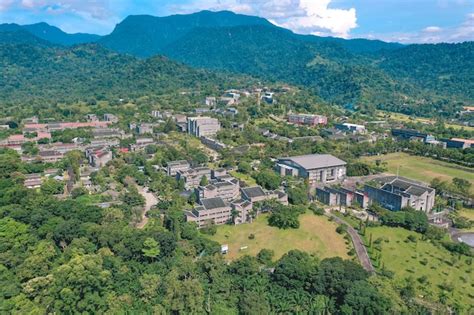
{"x": 422, "y": 168}
{"x": 316, "y": 235}
{"x": 434, "y": 270}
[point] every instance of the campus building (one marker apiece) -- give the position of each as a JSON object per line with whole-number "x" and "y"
{"x": 203, "y": 126}
{"x": 317, "y": 168}
{"x": 307, "y": 119}
{"x": 192, "y": 177}
{"x": 210, "y": 211}
{"x": 395, "y": 193}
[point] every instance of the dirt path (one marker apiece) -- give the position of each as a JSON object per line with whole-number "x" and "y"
{"x": 358, "y": 244}
{"x": 150, "y": 201}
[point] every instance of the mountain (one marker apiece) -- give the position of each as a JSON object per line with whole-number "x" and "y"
{"x": 37, "y": 75}
{"x": 337, "y": 74}
{"x": 20, "y": 36}
{"x": 447, "y": 68}
{"x": 51, "y": 34}
{"x": 145, "y": 35}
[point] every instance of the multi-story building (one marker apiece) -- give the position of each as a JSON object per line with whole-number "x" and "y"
{"x": 213, "y": 144}
{"x": 145, "y": 128}
{"x": 242, "y": 208}
{"x": 192, "y": 177}
{"x": 339, "y": 196}
{"x": 173, "y": 167}
{"x": 410, "y": 134}
{"x": 395, "y": 193}
{"x": 141, "y": 143}
{"x": 98, "y": 157}
{"x": 210, "y": 211}
{"x": 111, "y": 118}
{"x": 316, "y": 168}
{"x": 307, "y": 119}
{"x": 225, "y": 189}
{"x": 457, "y": 143}
{"x": 65, "y": 125}
{"x": 203, "y": 126}
{"x": 353, "y": 128}
{"x": 105, "y": 133}
{"x": 257, "y": 194}
{"x": 210, "y": 101}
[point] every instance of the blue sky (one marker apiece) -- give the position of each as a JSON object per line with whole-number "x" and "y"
{"x": 406, "y": 21}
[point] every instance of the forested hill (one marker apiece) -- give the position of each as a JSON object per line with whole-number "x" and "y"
{"x": 426, "y": 80}
{"x": 51, "y": 34}
{"x": 145, "y": 35}
{"x": 448, "y": 68}
{"x": 415, "y": 79}
{"x": 333, "y": 72}
{"x": 41, "y": 75}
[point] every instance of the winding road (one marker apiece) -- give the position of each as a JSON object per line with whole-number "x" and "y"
{"x": 150, "y": 202}
{"x": 358, "y": 244}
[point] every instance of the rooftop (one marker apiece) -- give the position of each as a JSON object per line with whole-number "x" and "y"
{"x": 315, "y": 161}
{"x": 213, "y": 203}
{"x": 406, "y": 185}
{"x": 253, "y": 192}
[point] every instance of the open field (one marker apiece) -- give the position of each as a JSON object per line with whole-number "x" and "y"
{"x": 316, "y": 235}
{"x": 423, "y": 169}
{"x": 423, "y": 259}
{"x": 404, "y": 118}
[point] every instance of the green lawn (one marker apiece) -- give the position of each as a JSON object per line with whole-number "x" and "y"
{"x": 249, "y": 180}
{"x": 423, "y": 169}
{"x": 440, "y": 267}
{"x": 316, "y": 235}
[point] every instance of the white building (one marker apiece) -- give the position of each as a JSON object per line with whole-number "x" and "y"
{"x": 203, "y": 126}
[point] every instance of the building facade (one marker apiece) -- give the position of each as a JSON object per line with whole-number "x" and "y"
{"x": 203, "y": 126}
{"x": 316, "y": 168}
{"x": 395, "y": 193}
{"x": 307, "y": 119}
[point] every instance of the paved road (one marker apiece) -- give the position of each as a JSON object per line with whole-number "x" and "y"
{"x": 150, "y": 201}
{"x": 358, "y": 244}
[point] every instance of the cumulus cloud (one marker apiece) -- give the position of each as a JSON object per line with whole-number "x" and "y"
{"x": 432, "y": 34}
{"x": 302, "y": 16}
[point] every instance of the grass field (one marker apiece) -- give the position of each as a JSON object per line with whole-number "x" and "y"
{"x": 440, "y": 267}
{"x": 423, "y": 169}
{"x": 316, "y": 235}
{"x": 404, "y": 118}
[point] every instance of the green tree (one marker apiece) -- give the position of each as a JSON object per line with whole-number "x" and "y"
{"x": 204, "y": 181}
{"x": 151, "y": 248}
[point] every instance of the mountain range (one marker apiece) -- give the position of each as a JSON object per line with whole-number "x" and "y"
{"x": 365, "y": 74}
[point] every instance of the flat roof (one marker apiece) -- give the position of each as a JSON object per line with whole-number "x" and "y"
{"x": 253, "y": 192}
{"x": 213, "y": 203}
{"x": 315, "y": 161}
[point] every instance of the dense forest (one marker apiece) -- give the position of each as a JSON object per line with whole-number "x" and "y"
{"x": 70, "y": 256}
{"x": 43, "y": 75}
{"x": 425, "y": 80}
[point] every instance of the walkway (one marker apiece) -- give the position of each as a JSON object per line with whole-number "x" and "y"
{"x": 358, "y": 244}
{"x": 150, "y": 202}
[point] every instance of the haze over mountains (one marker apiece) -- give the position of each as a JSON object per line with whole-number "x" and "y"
{"x": 420, "y": 79}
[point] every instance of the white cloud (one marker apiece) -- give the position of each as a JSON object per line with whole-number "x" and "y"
{"x": 301, "y": 16}
{"x": 5, "y": 4}
{"x": 432, "y": 29}
{"x": 432, "y": 34}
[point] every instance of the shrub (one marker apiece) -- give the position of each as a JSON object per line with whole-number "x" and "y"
{"x": 341, "y": 229}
